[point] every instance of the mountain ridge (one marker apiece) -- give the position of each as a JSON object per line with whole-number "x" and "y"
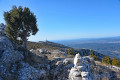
{"x": 108, "y": 46}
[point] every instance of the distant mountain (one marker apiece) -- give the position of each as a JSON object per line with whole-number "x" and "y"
{"x": 90, "y": 40}
{"x": 108, "y": 46}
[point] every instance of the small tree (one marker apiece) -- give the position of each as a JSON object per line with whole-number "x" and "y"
{"x": 106, "y": 60}
{"x": 71, "y": 51}
{"x": 115, "y": 62}
{"x": 93, "y": 55}
{"x": 20, "y": 24}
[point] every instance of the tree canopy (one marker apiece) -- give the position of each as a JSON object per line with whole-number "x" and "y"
{"x": 93, "y": 55}
{"x": 106, "y": 60}
{"x": 71, "y": 51}
{"x": 20, "y": 24}
{"x": 110, "y": 61}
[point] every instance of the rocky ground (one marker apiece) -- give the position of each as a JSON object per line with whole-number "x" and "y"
{"x": 37, "y": 65}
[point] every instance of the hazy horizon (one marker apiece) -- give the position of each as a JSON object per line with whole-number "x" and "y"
{"x": 70, "y": 19}
{"x": 92, "y": 38}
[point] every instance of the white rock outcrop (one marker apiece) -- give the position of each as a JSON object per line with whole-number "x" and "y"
{"x": 28, "y": 72}
{"x": 81, "y": 69}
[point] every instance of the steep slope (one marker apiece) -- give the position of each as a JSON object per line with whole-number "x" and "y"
{"x": 13, "y": 64}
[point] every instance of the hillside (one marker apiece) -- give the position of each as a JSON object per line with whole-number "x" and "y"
{"x": 15, "y": 64}
{"x": 46, "y": 44}
{"x": 107, "y": 46}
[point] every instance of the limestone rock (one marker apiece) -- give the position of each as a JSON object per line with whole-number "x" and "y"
{"x": 9, "y": 57}
{"x": 28, "y": 72}
{"x": 40, "y": 51}
{"x": 81, "y": 69}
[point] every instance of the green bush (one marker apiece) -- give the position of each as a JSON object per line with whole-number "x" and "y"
{"x": 94, "y": 56}
{"x": 70, "y": 51}
{"x": 115, "y": 62}
{"x": 106, "y": 60}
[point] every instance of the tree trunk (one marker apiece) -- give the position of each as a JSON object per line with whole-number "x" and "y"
{"x": 25, "y": 43}
{"x": 25, "y": 36}
{"x": 25, "y": 39}
{"x": 25, "y": 46}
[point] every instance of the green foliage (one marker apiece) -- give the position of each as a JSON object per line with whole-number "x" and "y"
{"x": 109, "y": 61}
{"x": 115, "y": 62}
{"x": 94, "y": 56}
{"x": 20, "y": 24}
{"x": 106, "y": 60}
{"x": 71, "y": 51}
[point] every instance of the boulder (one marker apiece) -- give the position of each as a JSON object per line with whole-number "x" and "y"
{"x": 27, "y": 72}
{"x": 10, "y": 57}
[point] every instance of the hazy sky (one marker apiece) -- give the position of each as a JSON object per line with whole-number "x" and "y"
{"x": 71, "y": 19}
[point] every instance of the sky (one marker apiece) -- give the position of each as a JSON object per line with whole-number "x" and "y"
{"x": 70, "y": 19}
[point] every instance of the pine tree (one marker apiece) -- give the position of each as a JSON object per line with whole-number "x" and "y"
{"x": 93, "y": 55}
{"x": 115, "y": 62}
{"x": 106, "y": 60}
{"x": 20, "y": 24}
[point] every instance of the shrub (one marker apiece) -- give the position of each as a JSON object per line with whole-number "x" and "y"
{"x": 94, "y": 56}
{"x": 115, "y": 62}
{"x": 70, "y": 51}
{"x": 106, "y": 60}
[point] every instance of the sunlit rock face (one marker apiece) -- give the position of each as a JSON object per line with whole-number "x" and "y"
{"x": 4, "y": 41}
{"x": 81, "y": 69}
{"x": 8, "y": 56}
{"x": 12, "y": 62}
{"x": 28, "y": 72}
{"x": 2, "y": 29}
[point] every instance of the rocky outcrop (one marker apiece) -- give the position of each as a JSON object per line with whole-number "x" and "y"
{"x": 86, "y": 52}
{"x": 13, "y": 65}
{"x": 86, "y": 69}
{"x": 60, "y": 70}
{"x": 10, "y": 57}
{"x": 27, "y": 72}
{"x": 40, "y": 51}
{"x": 81, "y": 69}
